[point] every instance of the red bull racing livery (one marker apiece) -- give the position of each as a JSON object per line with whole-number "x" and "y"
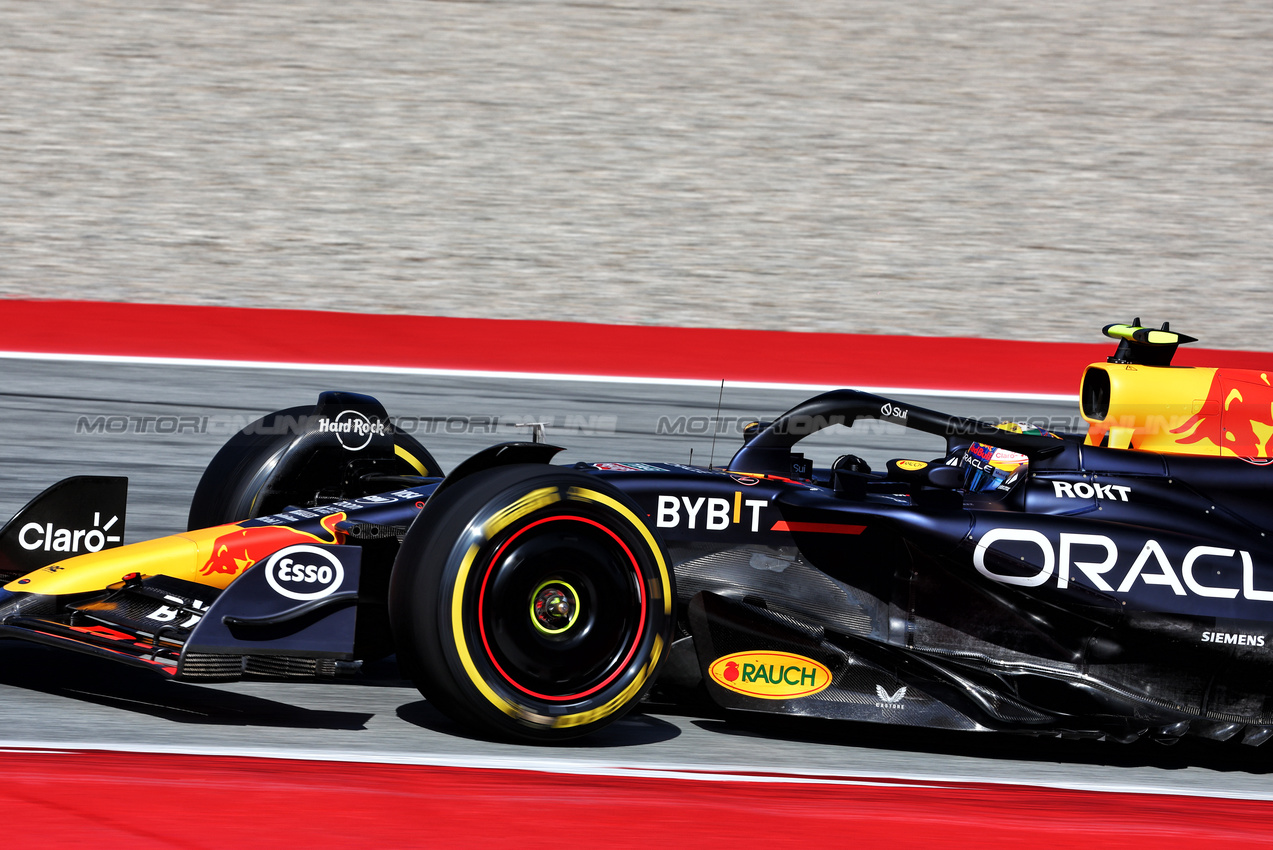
{"x": 1113, "y": 584}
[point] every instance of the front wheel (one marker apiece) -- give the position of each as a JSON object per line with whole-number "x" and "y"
{"x": 532, "y": 602}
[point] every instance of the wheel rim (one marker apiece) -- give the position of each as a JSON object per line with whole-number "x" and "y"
{"x": 562, "y": 608}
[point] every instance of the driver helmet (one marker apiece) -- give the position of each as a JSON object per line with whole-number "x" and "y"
{"x": 989, "y": 467}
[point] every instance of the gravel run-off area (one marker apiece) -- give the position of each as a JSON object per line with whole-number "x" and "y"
{"x": 997, "y": 168}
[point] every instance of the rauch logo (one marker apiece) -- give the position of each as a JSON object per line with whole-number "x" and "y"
{"x": 770, "y": 675}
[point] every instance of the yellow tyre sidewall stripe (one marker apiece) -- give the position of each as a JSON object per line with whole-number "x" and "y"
{"x": 411, "y": 459}
{"x": 461, "y": 645}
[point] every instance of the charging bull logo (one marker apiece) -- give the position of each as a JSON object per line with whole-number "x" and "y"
{"x": 239, "y": 549}
{"x": 1236, "y": 417}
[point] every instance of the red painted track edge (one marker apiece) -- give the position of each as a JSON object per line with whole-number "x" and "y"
{"x": 214, "y": 333}
{"x": 165, "y": 800}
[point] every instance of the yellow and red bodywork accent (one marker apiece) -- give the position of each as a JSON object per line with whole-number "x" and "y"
{"x": 1179, "y": 410}
{"x": 210, "y": 556}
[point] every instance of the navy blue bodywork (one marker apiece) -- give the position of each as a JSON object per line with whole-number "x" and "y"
{"x": 1107, "y": 593}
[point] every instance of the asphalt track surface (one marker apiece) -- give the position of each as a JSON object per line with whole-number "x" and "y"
{"x": 59, "y": 700}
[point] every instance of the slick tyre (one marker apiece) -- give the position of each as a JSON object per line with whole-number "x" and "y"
{"x": 532, "y": 603}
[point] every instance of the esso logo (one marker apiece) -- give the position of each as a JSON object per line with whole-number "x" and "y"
{"x": 304, "y": 572}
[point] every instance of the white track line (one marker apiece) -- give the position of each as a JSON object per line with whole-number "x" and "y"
{"x": 536, "y": 763}
{"x": 520, "y": 376}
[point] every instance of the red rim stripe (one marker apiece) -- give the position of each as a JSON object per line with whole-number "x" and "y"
{"x": 481, "y": 604}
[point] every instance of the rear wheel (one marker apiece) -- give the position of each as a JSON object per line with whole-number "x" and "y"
{"x": 248, "y": 478}
{"x": 532, "y": 602}
{"x": 241, "y": 481}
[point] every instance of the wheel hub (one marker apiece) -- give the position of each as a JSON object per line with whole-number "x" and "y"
{"x": 554, "y": 607}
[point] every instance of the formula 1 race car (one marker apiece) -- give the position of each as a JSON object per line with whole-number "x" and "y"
{"x": 1114, "y": 584}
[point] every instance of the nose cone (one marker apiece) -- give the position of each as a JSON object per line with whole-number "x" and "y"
{"x": 174, "y": 556}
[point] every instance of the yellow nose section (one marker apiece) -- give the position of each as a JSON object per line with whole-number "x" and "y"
{"x": 176, "y": 556}
{"x": 210, "y": 556}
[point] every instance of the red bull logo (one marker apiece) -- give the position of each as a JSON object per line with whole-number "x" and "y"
{"x": 982, "y": 451}
{"x": 235, "y": 551}
{"x": 1235, "y": 419}
{"x": 1195, "y": 410}
{"x": 212, "y": 556}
